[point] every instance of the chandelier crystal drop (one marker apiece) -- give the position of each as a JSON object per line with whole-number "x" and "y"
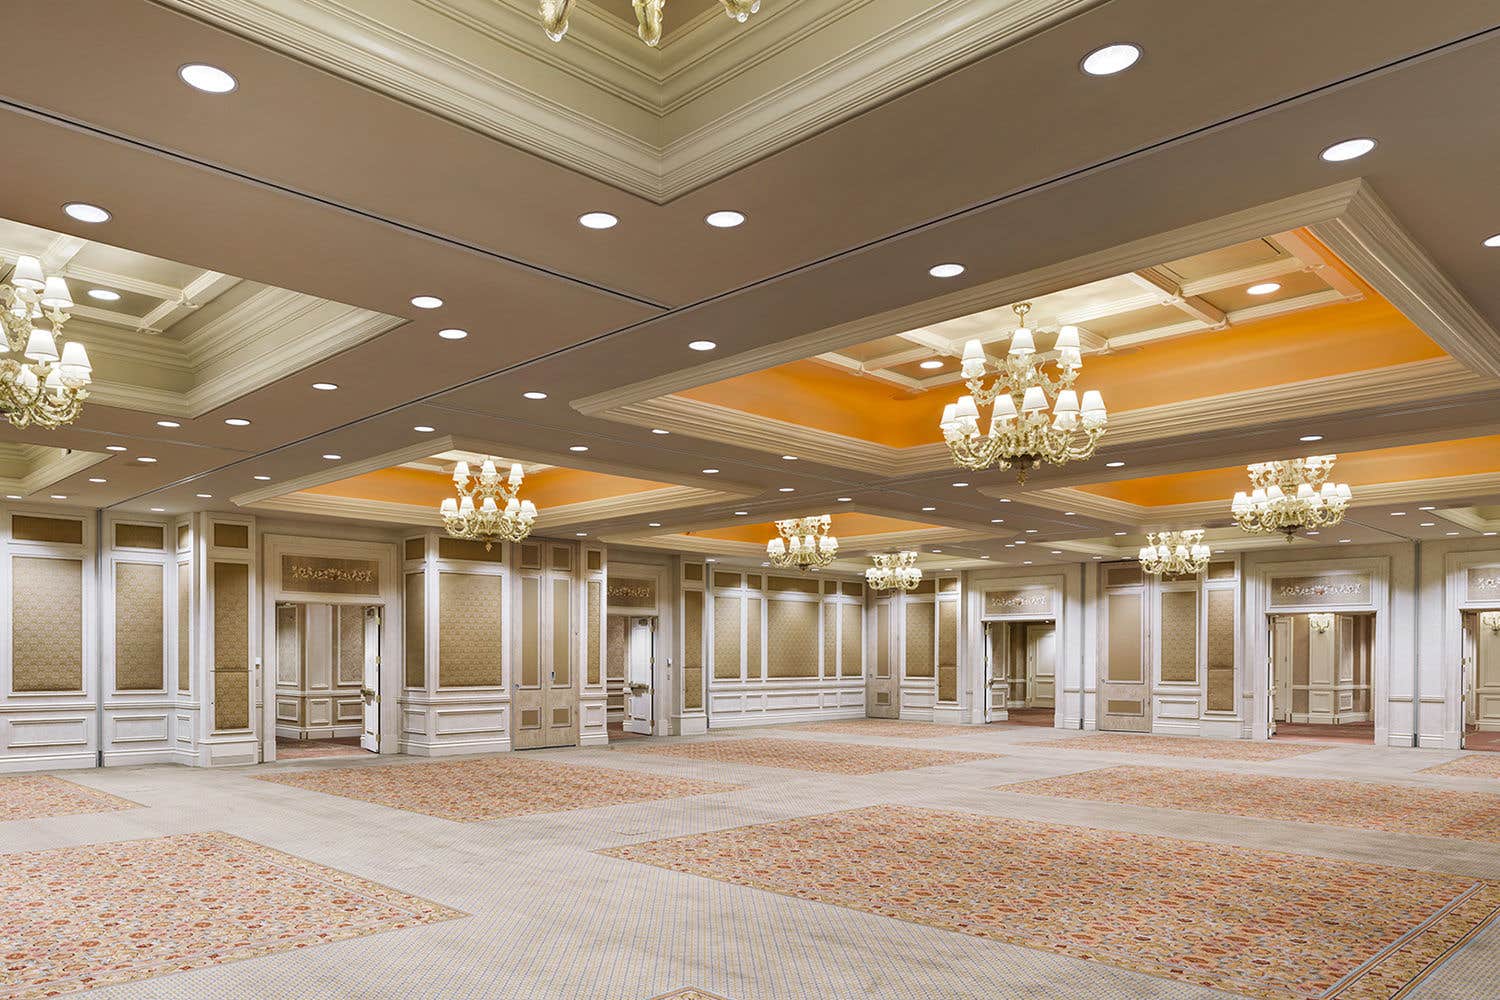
{"x": 893, "y": 571}
{"x": 43, "y": 379}
{"x": 1021, "y": 435}
{"x": 488, "y": 508}
{"x": 1175, "y": 553}
{"x": 1291, "y": 496}
{"x": 649, "y": 16}
{"x": 803, "y": 542}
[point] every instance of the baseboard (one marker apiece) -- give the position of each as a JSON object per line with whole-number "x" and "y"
{"x": 455, "y": 749}
{"x": 127, "y": 758}
{"x": 784, "y": 718}
{"x": 48, "y": 762}
{"x": 690, "y": 725}
{"x": 948, "y": 715}
{"x": 593, "y": 740}
{"x": 1438, "y": 741}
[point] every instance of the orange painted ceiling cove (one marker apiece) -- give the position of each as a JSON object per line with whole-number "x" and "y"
{"x": 1407, "y": 463}
{"x": 424, "y": 488}
{"x": 851, "y": 525}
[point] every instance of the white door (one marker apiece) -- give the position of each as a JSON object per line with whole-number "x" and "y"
{"x": 640, "y": 661}
{"x": 1283, "y": 640}
{"x": 370, "y": 689}
{"x": 1041, "y": 665}
{"x": 883, "y": 684}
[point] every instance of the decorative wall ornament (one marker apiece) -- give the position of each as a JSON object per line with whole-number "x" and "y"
{"x": 326, "y": 575}
{"x": 804, "y": 542}
{"x": 1490, "y": 620}
{"x": 894, "y": 571}
{"x": 1175, "y": 553}
{"x": 1026, "y": 600}
{"x": 1320, "y": 621}
{"x": 39, "y": 385}
{"x": 1020, "y": 434}
{"x": 1291, "y": 496}
{"x": 488, "y": 509}
{"x": 649, "y": 15}
{"x": 1335, "y": 589}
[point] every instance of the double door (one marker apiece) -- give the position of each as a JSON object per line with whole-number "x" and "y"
{"x": 545, "y": 693}
{"x": 883, "y": 681}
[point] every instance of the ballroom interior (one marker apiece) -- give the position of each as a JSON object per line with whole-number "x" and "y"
{"x": 750, "y": 500}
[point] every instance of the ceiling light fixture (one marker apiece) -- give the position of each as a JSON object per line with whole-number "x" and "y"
{"x": 931, "y": 365}
{"x": 158, "y": 510}
{"x": 844, "y": 499}
{"x": 423, "y": 429}
{"x": 1348, "y": 149}
{"x": 324, "y": 386}
{"x": 103, "y": 295}
{"x": 487, "y": 508}
{"x": 1291, "y": 496}
{"x": 82, "y": 211}
{"x": 534, "y": 395}
{"x": 598, "y": 220}
{"x": 426, "y": 301}
{"x": 702, "y": 345}
{"x": 167, "y": 423}
{"x": 115, "y": 447}
{"x": 263, "y": 479}
{"x": 949, "y": 270}
{"x": 1492, "y": 241}
{"x": 237, "y": 421}
{"x": 578, "y": 447}
{"x": 803, "y": 542}
{"x": 786, "y": 489}
{"x": 789, "y": 458}
{"x": 332, "y": 457}
{"x": 928, "y": 510}
{"x": 710, "y": 472}
{"x": 1111, "y": 59}
{"x": 653, "y": 524}
{"x": 649, "y": 16}
{"x": 893, "y": 571}
{"x": 1264, "y": 288}
{"x": 205, "y": 496}
{"x": 40, "y": 384}
{"x": 453, "y": 334}
{"x": 724, "y": 219}
{"x": 1310, "y": 438}
{"x": 741, "y": 513}
{"x": 658, "y": 430}
{"x": 209, "y": 79}
{"x": 1114, "y": 465}
{"x": 59, "y": 496}
{"x": 146, "y": 459}
{"x": 97, "y": 479}
{"x": 1020, "y": 434}
{"x": 1174, "y": 553}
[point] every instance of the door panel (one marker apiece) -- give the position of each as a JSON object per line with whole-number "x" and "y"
{"x": 882, "y": 686}
{"x": 639, "y": 670}
{"x": 370, "y": 691}
{"x": 562, "y": 694}
{"x": 1124, "y": 682}
{"x": 545, "y": 689}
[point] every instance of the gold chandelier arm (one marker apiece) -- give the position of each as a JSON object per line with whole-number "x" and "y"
{"x": 740, "y": 10}
{"x": 648, "y": 15}
{"x": 554, "y": 14}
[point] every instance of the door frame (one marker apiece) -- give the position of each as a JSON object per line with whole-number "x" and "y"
{"x": 1074, "y": 669}
{"x": 1458, "y": 597}
{"x": 387, "y": 598}
{"x": 663, "y": 689}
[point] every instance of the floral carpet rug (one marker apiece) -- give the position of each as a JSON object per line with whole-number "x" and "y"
{"x": 814, "y": 755}
{"x": 37, "y": 796}
{"x": 78, "y": 918}
{"x": 305, "y": 749}
{"x": 494, "y": 787}
{"x": 885, "y": 727}
{"x": 1263, "y": 924}
{"x": 1181, "y": 746}
{"x": 1430, "y": 812}
{"x": 1479, "y": 765}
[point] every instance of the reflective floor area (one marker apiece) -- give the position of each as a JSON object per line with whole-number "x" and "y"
{"x": 862, "y": 859}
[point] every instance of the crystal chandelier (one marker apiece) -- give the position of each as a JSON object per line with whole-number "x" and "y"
{"x": 894, "y": 571}
{"x": 648, "y": 16}
{"x": 487, "y": 508}
{"x": 37, "y": 385}
{"x": 804, "y": 542}
{"x": 1291, "y": 496}
{"x": 1020, "y": 434}
{"x": 1175, "y": 553}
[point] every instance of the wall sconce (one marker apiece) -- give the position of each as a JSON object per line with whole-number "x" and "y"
{"x": 1490, "y": 620}
{"x": 1320, "y": 621}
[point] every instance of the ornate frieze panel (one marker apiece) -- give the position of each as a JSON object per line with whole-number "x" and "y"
{"x": 1321, "y": 590}
{"x": 326, "y": 575}
{"x": 1037, "y": 601}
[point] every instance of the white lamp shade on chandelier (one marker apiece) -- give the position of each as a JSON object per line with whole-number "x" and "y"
{"x": 1291, "y": 496}
{"x": 893, "y": 571}
{"x": 803, "y": 542}
{"x": 487, "y": 508}
{"x": 1175, "y": 553}
{"x": 1022, "y": 434}
{"x": 39, "y": 383}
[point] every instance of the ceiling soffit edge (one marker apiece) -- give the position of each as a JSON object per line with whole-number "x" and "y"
{"x": 604, "y": 57}
{"x": 31, "y": 468}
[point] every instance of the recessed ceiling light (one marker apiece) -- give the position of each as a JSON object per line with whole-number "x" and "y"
{"x": 789, "y": 458}
{"x": 1068, "y": 513}
{"x": 1264, "y": 288}
{"x": 1344, "y": 541}
{"x": 710, "y": 472}
{"x": 844, "y": 499}
{"x": 815, "y": 569}
{"x": 578, "y": 447}
{"x": 209, "y": 79}
{"x": 932, "y": 364}
{"x": 13, "y": 496}
{"x": 167, "y": 423}
{"x": 103, "y": 295}
{"x": 423, "y": 429}
{"x": 205, "y": 496}
{"x": 1111, "y": 59}
{"x": 1492, "y": 241}
{"x": 724, "y": 219}
{"x": 1429, "y": 507}
{"x": 59, "y": 496}
{"x": 453, "y": 334}
{"x": 702, "y": 345}
{"x": 984, "y": 557}
{"x": 84, "y": 212}
{"x": 937, "y": 552}
{"x": 1119, "y": 534}
{"x": 653, "y": 524}
{"x": 332, "y": 457}
{"x": 949, "y": 270}
{"x": 158, "y": 510}
{"x": 1428, "y": 524}
{"x": 1030, "y": 531}
{"x": 534, "y": 394}
{"x": 1098, "y": 557}
{"x": 147, "y": 459}
{"x": 1025, "y": 562}
{"x": 1314, "y": 532}
{"x": 581, "y": 534}
{"x": 115, "y": 447}
{"x": 1489, "y": 534}
{"x": 1056, "y": 552}
{"x": 1450, "y": 534}
{"x": 929, "y": 509}
{"x": 960, "y": 485}
{"x": 97, "y": 479}
{"x": 426, "y": 301}
{"x": 1310, "y": 438}
{"x": 1005, "y": 499}
{"x": 1349, "y": 149}
{"x": 324, "y": 386}
{"x": 598, "y": 220}
{"x": 263, "y": 479}
{"x": 1398, "y": 513}
{"x": 237, "y": 421}
{"x": 997, "y": 520}
{"x": 658, "y": 430}
{"x": 741, "y": 513}
{"x": 787, "y": 489}
{"x": 1114, "y": 465}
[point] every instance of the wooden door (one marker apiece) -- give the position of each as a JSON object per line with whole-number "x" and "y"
{"x": 545, "y": 687}
{"x": 370, "y": 690}
{"x": 1283, "y": 649}
{"x": 640, "y": 663}
{"x": 1483, "y": 693}
{"x": 1041, "y": 664}
{"x": 882, "y": 684}
{"x": 1124, "y": 680}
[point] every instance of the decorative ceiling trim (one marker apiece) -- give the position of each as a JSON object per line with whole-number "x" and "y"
{"x": 40, "y": 466}
{"x": 679, "y": 542}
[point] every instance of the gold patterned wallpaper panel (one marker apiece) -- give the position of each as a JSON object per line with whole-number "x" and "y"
{"x": 289, "y": 645}
{"x": 614, "y": 659}
{"x": 351, "y": 656}
{"x": 947, "y": 662}
{"x": 830, "y": 639}
{"x": 792, "y": 638}
{"x": 59, "y": 530}
{"x": 1221, "y": 649}
{"x": 883, "y": 639}
{"x": 469, "y": 641}
{"x": 231, "y": 645}
{"x": 414, "y": 646}
{"x": 851, "y": 653}
{"x": 919, "y": 623}
{"x": 231, "y": 536}
{"x": 727, "y": 637}
{"x": 46, "y": 624}
{"x": 140, "y": 536}
{"x": 1179, "y": 637}
{"x": 692, "y": 644}
{"x": 595, "y": 627}
{"x": 184, "y": 625}
{"x": 140, "y": 651}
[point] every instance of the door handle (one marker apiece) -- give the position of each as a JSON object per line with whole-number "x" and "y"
{"x": 368, "y": 694}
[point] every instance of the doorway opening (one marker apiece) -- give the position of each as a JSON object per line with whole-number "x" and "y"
{"x": 327, "y": 680}
{"x": 1322, "y": 677}
{"x": 630, "y": 661}
{"x": 1481, "y": 680}
{"x": 1020, "y": 661}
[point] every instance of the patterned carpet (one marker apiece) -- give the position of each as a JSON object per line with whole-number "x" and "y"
{"x": 304, "y": 749}
{"x": 37, "y": 796}
{"x": 1225, "y": 918}
{"x": 145, "y": 908}
{"x": 1181, "y": 746}
{"x": 493, "y": 787}
{"x": 884, "y": 727}
{"x": 813, "y": 755}
{"x": 1431, "y": 812}
{"x": 1478, "y": 765}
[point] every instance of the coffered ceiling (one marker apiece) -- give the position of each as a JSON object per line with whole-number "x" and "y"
{"x": 373, "y": 152}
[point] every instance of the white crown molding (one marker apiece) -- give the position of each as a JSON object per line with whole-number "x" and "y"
{"x": 40, "y": 466}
